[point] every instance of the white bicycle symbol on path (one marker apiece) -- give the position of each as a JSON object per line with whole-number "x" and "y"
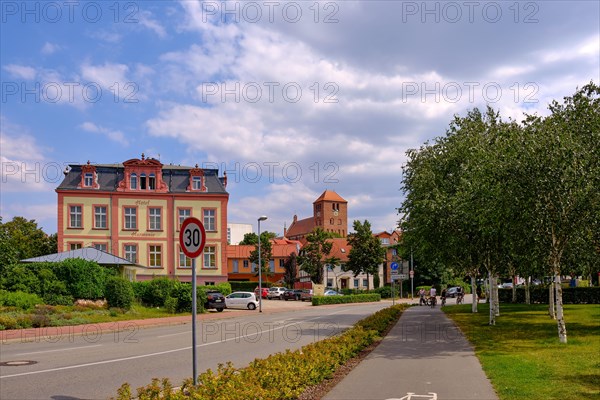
{"x": 411, "y": 396}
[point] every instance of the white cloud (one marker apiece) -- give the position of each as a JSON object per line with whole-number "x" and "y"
{"x": 50, "y": 48}
{"x": 115, "y": 136}
{"x": 21, "y": 71}
{"x": 145, "y": 19}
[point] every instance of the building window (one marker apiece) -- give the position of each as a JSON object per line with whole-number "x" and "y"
{"x": 196, "y": 183}
{"x": 330, "y": 282}
{"x": 88, "y": 179}
{"x": 228, "y": 235}
{"x": 253, "y": 267}
{"x": 155, "y": 253}
{"x": 385, "y": 241}
{"x": 339, "y": 221}
{"x": 74, "y": 246}
{"x": 209, "y": 219}
{"x": 236, "y": 268}
{"x": 101, "y": 246}
{"x": 331, "y": 221}
{"x": 246, "y": 264}
{"x": 184, "y": 261}
{"x": 130, "y": 218}
{"x": 133, "y": 182}
{"x": 209, "y": 283}
{"x": 356, "y": 283}
{"x": 183, "y": 214}
{"x": 365, "y": 282}
{"x": 100, "y": 221}
{"x": 281, "y": 263}
{"x": 74, "y": 216}
{"x": 143, "y": 182}
{"x": 394, "y": 252}
{"x": 210, "y": 257}
{"x": 272, "y": 265}
{"x": 131, "y": 253}
{"x": 154, "y": 216}
{"x": 151, "y": 182}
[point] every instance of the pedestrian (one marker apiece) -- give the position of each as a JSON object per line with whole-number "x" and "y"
{"x": 478, "y": 291}
{"x": 422, "y": 296}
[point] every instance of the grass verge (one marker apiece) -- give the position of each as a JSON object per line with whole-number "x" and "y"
{"x": 522, "y": 356}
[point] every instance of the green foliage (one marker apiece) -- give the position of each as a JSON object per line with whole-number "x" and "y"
{"x": 367, "y": 253}
{"x": 290, "y": 265}
{"x": 266, "y": 252}
{"x": 119, "y": 292}
{"x": 21, "y": 239}
{"x": 22, "y": 300}
{"x": 312, "y": 255}
{"x": 279, "y": 376}
{"x": 352, "y": 298}
{"x": 83, "y": 279}
{"x": 19, "y": 277}
{"x": 182, "y": 293}
{"x": 252, "y": 238}
{"x": 243, "y": 286}
{"x": 157, "y": 290}
{"x": 539, "y": 294}
{"x": 171, "y": 304}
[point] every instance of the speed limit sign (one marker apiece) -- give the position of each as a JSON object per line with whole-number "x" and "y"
{"x": 192, "y": 237}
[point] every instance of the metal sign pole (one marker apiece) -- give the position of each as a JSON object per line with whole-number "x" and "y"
{"x": 393, "y": 296}
{"x": 412, "y": 269}
{"x": 194, "y": 305}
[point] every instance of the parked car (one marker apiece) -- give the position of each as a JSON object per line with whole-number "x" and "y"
{"x": 453, "y": 291}
{"x": 276, "y": 292}
{"x": 505, "y": 285}
{"x": 306, "y": 295}
{"x": 265, "y": 291}
{"x": 292, "y": 294}
{"x": 332, "y": 293}
{"x": 214, "y": 300}
{"x": 241, "y": 300}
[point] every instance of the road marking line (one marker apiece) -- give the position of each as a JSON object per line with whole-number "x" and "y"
{"x": 52, "y": 351}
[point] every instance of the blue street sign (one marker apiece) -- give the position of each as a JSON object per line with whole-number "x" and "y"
{"x": 394, "y": 266}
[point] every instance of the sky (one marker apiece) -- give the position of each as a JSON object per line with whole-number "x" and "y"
{"x": 289, "y": 97}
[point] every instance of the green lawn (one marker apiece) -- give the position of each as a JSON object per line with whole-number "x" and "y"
{"x": 522, "y": 357}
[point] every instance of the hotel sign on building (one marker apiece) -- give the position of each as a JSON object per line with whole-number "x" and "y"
{"x": 134, "y": 210}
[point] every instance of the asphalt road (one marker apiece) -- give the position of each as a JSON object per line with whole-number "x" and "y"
{"x": 94, "y": 365}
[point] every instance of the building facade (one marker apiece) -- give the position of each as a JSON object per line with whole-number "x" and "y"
{"x": 330, "y": 212}
{"x": 134, "y": 210}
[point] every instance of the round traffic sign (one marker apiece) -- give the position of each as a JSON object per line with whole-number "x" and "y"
{"x": 394, "y": 266}
{"x": 411, "y": 274}
{"x": 192, "y": 237}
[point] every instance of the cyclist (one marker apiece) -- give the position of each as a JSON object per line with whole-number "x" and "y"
{"x": 432, "y": 294}
{"x": 422, "y": 297}
{"x": 443, "y": 297}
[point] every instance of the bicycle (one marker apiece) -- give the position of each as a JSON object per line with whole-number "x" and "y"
{"x": 460, "y": 298}
{"x": 443, "y": 301}
{"x": 431, "y": 301}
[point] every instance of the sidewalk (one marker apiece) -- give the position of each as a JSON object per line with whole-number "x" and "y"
{"x": 424, "y": 356}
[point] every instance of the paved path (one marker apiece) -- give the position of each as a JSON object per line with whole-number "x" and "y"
{"x": 424, "y": 355}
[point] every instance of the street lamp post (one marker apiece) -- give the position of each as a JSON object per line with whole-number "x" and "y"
{"x": 263, "y": 218}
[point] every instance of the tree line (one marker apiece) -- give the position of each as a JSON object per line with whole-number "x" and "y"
{"x": 504, "y": 198}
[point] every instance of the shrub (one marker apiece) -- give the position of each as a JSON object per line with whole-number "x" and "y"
{"x": 20, "y": 277}
{"x": 353, "y": 298}
{"x": 157, "y": 291}
{"x": 58, "y": 299}
{"x": 83, "y": 279}
{"x": 171, "y": 304}
{"x": 182, "y": 292}
{"x": 385, "y": 292}
{"x": 119, "y": 293}
{"x": 243, "y": 286}
{"x": 22, "y": 300}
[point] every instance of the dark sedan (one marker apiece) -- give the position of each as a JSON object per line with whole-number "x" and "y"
{"x": 292, "y": 294}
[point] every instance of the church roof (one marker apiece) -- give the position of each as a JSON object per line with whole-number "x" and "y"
{"x": 330, "y": 195}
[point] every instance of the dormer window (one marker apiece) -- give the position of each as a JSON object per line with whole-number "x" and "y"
{"x": 196, "y": 183}
{"x": 88, "y": 179}
{"x": 151, "y": 182}
{"x": 143, "y": 182}
{"x": 133, "y": 182}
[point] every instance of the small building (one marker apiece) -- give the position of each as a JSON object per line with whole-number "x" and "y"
{"x": 236, "y": 232}
{"x": 330, "y": 212}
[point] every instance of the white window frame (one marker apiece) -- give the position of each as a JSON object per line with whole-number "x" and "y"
{"x": 209, "y": 220}
{"x": 183, "y": 214}
{"x": 75, "y": 216}
{"x": 98, "y": 215}
{"x": 133, "y": 182}
{"x": 154, "y": 255}
{"x": 131, "y": 250}
{"x": 130, "y": 218}
{"x": 88, "y": 179}
{"x": 184, "y": 261}
{"x": 154, "y": 219}
{"x": 209, "y": 258}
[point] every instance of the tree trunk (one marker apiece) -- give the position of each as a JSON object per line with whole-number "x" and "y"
{"x": 491, "y": 300}
{"x": 474, "y": 292}
{"x": 496, "y": 297}
{"x": 368, "y": 286}
{"x": 514, "y": 291}
{"x": 527, "y": 294}
{"x": 560, "y": 318}
{"x": 551, "y": 301}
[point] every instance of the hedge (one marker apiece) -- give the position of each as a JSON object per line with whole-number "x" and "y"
{"x": 119, "y": 292}
{"x": 539, "y": 294}
{"x": 352, "y": 298}
{"x": 279, "y": 376}
{"x": 245, "y": 286}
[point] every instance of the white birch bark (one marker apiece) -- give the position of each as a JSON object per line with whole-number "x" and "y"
{"x": 491, "y": 299}
{"x": 514, "y": 290}
{"x": 474, "y": 292}
{"x": 551, "y": 301}
{"x": 527, "y": 294}
{"x": 560, "y": 318}
{"x": 496, "y": 297}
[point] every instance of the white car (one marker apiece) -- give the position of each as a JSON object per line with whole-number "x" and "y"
{"x": 332, "y": 293}
{"x": 276, "y": 293}
{"x": 241, "y": 300}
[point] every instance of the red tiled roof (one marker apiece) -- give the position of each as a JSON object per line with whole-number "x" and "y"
{"x": 301, "y": 227}
{"x": 330, "y": 195}
{"x": 340, "y": 249}
{"x": 280, "y": 248}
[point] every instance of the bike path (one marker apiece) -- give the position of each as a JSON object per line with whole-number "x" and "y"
{"x": 424, "y": 356}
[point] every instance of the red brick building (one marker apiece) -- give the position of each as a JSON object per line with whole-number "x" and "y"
{"x": 330, "y": 212}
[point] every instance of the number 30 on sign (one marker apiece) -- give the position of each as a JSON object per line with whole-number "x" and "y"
{"x": 192, "y": 237}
